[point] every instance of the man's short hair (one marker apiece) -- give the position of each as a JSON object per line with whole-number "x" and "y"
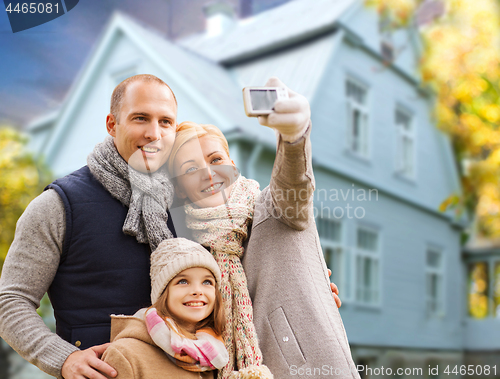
{"x": 119, "y": 91}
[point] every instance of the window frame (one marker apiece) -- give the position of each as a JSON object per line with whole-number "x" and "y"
{"x": 401, "y": 164}
{"x": 364, "y": 149}
{"x": 124, "y": 71}
{"x": 342, "y": 251}
{"x": 375, "y": 257}
{"x": 440, "y": 310}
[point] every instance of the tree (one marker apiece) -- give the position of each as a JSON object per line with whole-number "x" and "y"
{"x": 22, "y": 177}
{"x": 461, "y": 64}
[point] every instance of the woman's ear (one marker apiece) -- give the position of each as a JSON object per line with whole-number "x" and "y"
{"x": 179, "y": 192}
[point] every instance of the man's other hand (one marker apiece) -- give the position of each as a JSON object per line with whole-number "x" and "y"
{"x": 87, "y": 364}
{"x": 335, "y": 291}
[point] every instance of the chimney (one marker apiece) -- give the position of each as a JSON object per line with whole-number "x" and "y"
{"x": 220, "y": 16}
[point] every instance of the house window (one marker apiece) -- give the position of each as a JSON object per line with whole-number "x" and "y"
{"x": 120, "y": 76}
{"x": 434, "y": 282}
{"x": 496, "y": 289}
{"x": 405, "y": 159}
{"x": 385, "y": 32}
{"x": 357, "y": 116}
{"x": 385, "y": 26}
{"x": 330, "y": 235}
{"x": 367, "y": 267}
{"x": 478, "y": 289}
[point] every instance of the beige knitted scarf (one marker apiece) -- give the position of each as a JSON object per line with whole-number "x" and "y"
{"x": 223, "y": 229}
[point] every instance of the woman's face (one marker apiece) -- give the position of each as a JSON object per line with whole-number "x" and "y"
{"x": 204, "y": 172}
{"x": 191, "y": 296}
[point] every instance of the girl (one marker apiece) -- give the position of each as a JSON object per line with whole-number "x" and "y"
{"x": 179, "y": 336}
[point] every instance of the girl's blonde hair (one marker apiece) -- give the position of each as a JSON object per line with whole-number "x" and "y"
{"x": 188, "y": 130}
{"x": 216, "y": 320}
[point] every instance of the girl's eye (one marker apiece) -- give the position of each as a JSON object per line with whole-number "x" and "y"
{"x": 208, "y": 282}
{"x": 182, "y": 281}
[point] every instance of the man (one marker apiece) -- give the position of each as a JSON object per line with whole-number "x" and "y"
{"x": 71, "y": 242}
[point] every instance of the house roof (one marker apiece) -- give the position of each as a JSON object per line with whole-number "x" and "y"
{"x": 282, "y": 26}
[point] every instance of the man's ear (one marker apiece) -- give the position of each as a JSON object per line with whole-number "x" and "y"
{"x": 111, "y": 125}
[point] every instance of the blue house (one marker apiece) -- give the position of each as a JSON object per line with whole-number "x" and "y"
{"x": 381, "y": 166}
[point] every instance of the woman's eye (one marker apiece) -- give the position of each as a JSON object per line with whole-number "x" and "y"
{"x": 191, "y": 169}
{"x": 216, "y": 160}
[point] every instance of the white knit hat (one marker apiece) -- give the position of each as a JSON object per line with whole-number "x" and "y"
{"x": 175, "y": 255}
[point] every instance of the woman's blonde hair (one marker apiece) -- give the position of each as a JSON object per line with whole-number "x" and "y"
{"x": 216, "y": 320}
{"x": 188, "y": 130}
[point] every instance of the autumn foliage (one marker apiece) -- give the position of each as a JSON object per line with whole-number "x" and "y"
{"x": 22, "y": 178}
{"x": 461, "y": 63}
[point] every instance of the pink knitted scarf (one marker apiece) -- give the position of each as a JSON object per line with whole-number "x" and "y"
{"x": 206, "y": 352}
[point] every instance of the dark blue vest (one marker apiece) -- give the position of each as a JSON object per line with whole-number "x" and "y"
{"x": 102, "y": 271}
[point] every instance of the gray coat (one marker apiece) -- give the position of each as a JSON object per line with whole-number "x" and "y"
{"x": 298, "y": 324}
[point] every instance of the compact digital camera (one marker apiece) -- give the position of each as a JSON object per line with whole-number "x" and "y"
{"x": 259, "y": 101}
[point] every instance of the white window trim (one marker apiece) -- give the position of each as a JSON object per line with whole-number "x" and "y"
{"x": 400, "y": 164}
{"x": 440, "y": 272}
{"x": 352, "y": 105}
{"x": 493, "y": 312}
{"x": 127, "y": 70}
{"x": 330, "y": 244}
{"x": 375, "y": 256}
{"x": 343, "y": 285}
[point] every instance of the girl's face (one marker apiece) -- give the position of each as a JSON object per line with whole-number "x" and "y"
{"x": 204, "y": 172}
{"x": 191, "y": 296}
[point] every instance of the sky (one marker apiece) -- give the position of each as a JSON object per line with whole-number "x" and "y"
{"x": 38, "y": 65}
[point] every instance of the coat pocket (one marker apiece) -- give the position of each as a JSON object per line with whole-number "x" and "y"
{"x": 285, "y": 337}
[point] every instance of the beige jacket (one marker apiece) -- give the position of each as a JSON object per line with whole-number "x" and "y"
{"x": 299, "y": 327}
{"x": 134, "y": 355}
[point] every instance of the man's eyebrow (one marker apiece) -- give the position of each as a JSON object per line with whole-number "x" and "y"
{"x": 139, "y": 114}
{"x": 167, "y": 117}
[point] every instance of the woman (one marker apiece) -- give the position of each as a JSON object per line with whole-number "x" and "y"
{"x": 298, "y": 324}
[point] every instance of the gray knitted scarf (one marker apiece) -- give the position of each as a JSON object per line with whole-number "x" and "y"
{"x": 147, "y": 196}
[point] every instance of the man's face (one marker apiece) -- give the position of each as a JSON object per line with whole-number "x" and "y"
{"x": 145, "y": 132}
